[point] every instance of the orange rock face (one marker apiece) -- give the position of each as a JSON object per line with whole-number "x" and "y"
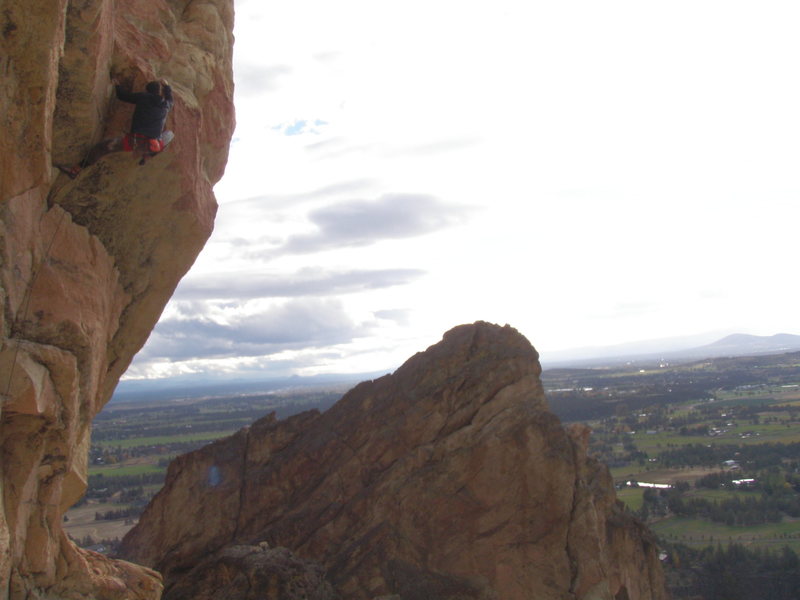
{"x": 87, "y": 265}
{"x": 449, "y": 479}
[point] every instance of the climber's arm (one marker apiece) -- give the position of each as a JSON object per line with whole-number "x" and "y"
{"x": 127, "y": 96}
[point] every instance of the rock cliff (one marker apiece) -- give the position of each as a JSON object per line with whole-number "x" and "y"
{"x": 450, "y": 479}
{"x": 87, "y": 265}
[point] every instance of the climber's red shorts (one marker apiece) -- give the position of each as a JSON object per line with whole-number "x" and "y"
{"x": 142, "y": 143}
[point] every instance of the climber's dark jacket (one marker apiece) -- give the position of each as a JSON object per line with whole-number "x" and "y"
{"x": 151, "y": 110}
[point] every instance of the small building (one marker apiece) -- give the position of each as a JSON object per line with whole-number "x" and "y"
{"x": 659, "y": 486}
{"x": 749, "y": 482}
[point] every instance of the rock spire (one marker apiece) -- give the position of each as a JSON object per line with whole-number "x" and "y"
{"x": 448, "y": 479}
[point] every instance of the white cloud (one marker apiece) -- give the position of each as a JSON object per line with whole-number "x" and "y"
{"x": 631, "y": 169}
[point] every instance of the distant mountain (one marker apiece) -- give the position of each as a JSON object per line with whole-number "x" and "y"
{"x": 740, "y": 344}
{"x": 622, "y": 352}
{"x": 688, "y": 348}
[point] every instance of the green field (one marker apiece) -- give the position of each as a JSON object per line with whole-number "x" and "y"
{"x": 125, "y": 469}
{"x": 700, "y": 533}
{"x": 768, "y": 394}
{"x": 632, "y": 497}
{"x": 205, "y": 436}
{"x": 717, "y": 495}
{"x": 739, "y": 433}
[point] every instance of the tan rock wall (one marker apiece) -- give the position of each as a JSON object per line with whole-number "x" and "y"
{"x": 31, "y": 44}
{"x": 87, "y": 265}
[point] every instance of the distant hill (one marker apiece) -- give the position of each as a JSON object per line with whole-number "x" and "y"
{"x": 696, "y": 347}
{"x": 690, "y": 348}
{"x": 740, "y": 344}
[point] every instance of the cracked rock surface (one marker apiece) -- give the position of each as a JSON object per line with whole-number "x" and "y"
{"x": 87, "y": 265}
{"x": 449, "y": 479}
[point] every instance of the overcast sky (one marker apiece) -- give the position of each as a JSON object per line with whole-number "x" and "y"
{"x": 589, "y": 172}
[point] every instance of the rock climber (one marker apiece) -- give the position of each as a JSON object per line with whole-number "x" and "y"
{"x": 147, "y": 136}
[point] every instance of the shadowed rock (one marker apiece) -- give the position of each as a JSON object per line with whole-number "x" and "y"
{"x": 253, "y": 573}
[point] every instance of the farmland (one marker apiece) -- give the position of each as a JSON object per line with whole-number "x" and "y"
{"x": 724, "y": 435}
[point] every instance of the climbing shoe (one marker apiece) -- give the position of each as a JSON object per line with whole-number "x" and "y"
{"x": 71, "y": 172}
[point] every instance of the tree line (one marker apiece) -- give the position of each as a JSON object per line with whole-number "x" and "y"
{"x": 734, "y": 572}
{"x": 736, "y": 511}
{"x": 754, "y": 456}
{"x": 122, "y": 513}
{"x": 102, "y": 488}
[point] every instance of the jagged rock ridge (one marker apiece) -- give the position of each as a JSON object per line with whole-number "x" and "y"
{"x": 449, "y": 479}
{"x": 86, "y": 266}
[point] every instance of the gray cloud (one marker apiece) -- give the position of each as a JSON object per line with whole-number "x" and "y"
{"x": 362, "y": 223}
{"x": 296, "y": 324}
{"x": 267, "y": 208}
{"x": 254, "y": 79}
{"x": 307, "y": 282}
